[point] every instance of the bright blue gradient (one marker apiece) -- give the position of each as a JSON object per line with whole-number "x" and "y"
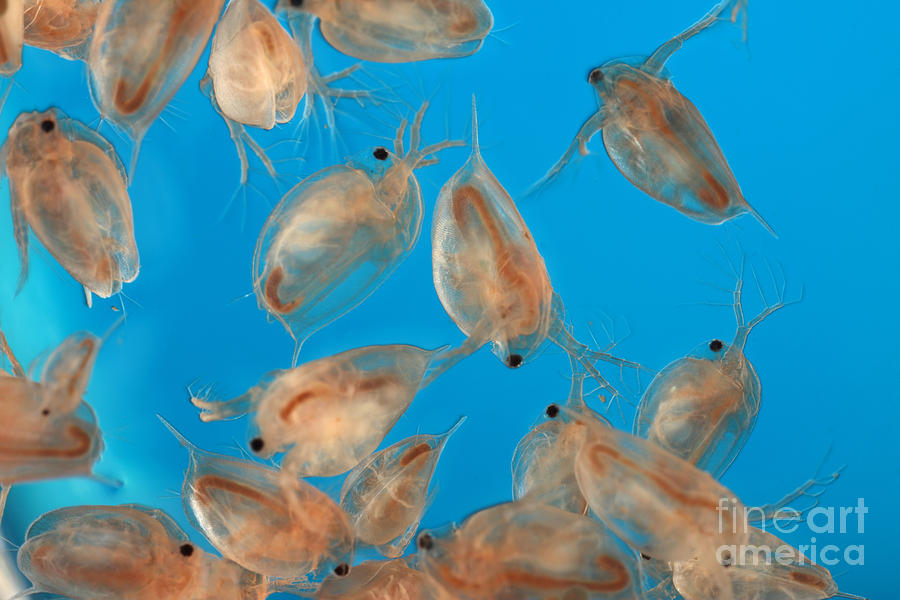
{"x": 806, "y": 113}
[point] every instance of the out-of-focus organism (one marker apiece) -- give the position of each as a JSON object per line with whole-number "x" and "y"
{"x": 328, "y": 414}
{"x": 68, "y": 185}
{"x": 386, "y": 495}
{"x": 256, "y": 75}
{"x": 394, "y": 31}
{"x": 127, "y": 552}
{"x": 489, "y": 275}
{"x": 141, "y": 53}
{"x": 528, "y": 550}
{"x": 63, "y": 27}
{"x": 12, "y": 33}
{"x": 657, "y": 138}
{"x": 660, "y": 505}
{"x": 543, "y": 465}
{"x": 48, "y": 430}
{"x": 339, "y": 234}
{"x": 766, "y": 568}
{"x": 248, "y": 513}
{"x": 702, "y": 407}
{"x": 380, "y": 580}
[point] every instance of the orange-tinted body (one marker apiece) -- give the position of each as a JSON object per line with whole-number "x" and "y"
{"x": 273, "y": 525}
{"x": 126, "y": 552}
{"x": 68, "y": 186}
{"x": 12, "y": 31}
{"x": 140, "y": 55}
{"x": 395, "y": 31}
{"x": 61, "y": 26}
{"x": 329, "y": 414}
{"x": 527, "y": 551}
{"x": 335, "y": 237}
{"x": 49, "y": 430}
{"x": 386, "y": 494}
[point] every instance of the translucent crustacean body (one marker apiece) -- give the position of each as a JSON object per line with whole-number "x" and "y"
{"x": 702, "y": 407}
{"x": 527, "y": 550}
{"x": 489, "y": 275}
{"x": 386, "y": 494}
{"x": 657, "y": 138}
{"x": 248, "y": 513}
{"x": 67, "y": 184}
{"x": 63, "y": 27}
{"x": 393, "y": 31}
{"x": 380, "y": 580}
{"x": 141, "y": 53}
{"x": 543, "y": 465}
{"x": 766, "y": 568}
{"x": 660, "y": 505}
{"x": 339, "y": 234}
{"x": 127, "y": 552}
{"x": 12, "y": 34}
{"x": 256, "y": 75}
{"x": 49, "y": 431}
{"x": 328, "y": 414}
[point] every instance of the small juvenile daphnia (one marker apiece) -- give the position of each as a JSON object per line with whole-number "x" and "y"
{"x": 127, "y": 552}
{"x": 67, "y": 185}
{"x": 529, "y": 551}
{"x": 63, "y": 27}
{"x": 660, "y": 505}
{"x": 250, "y": 516}
{"x": 396, "y": 31}
{"x": 380, "y": 580}
{"x": 657, "y": 138}
{"x": 141, "y": 53}
{"x": 702, "y": 407}
{"x": 336, "y": 236}
{"x": 330, "y": 413}
{"x": 49, "y": 431}
{"x": 256, "y": 75}
{"x": 766, "y": 568}
{"x": 543, "y": 465}
{"x": 386, "y": 495}
{"x": 489, "y": 275}
{"x": 12, "y": 34}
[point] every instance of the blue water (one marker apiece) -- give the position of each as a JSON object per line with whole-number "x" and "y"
{"x": 806, "y": 114}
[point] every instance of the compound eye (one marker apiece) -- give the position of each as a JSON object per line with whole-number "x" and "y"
{"x": 595, "y": 76}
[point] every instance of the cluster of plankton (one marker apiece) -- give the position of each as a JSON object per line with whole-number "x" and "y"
{"x": 597, "y": 512}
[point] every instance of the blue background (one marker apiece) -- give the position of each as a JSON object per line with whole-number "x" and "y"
{"x": 806, "y": 114}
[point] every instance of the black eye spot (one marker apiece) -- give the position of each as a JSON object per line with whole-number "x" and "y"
{"x": 48, "y": 125}
{"x": 552, "y": 411}
{"x": 186, "y": 549}
{"x": 342, "y": 569}
{"x": 644, "y": 556}
{"x": 46, "y": 412}
{"x": 426, "y": 542}
{"x": 514, "y": 361}
{"x": 296, "y": 2}
{"x": 595, "y": 76}
{"x": 716, "y": 345}
{"x": 256, "y": 444}
{"x": 380, "y": 153}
